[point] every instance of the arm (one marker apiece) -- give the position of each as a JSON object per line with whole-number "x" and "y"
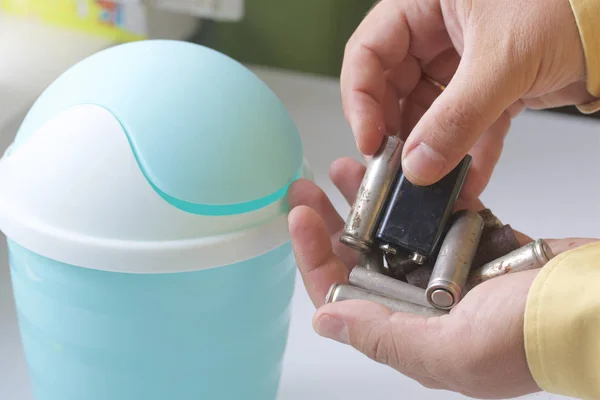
{"x": 562, "y": 324}
{"x": 562, "y": 315}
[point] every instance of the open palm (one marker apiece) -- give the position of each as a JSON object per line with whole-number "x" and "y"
{"x": 477, "y": 349}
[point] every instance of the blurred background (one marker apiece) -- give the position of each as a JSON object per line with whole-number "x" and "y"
{"x": 39, "y": 39}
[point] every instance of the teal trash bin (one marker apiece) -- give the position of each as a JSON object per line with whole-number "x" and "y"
{"x": 144, "y": 201}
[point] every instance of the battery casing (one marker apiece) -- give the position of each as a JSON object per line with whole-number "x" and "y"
{"x": 416, "y": 217}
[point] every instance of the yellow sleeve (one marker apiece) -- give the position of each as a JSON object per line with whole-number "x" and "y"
{"x": 587, "y": 15}
{"x": 562, "y": 324}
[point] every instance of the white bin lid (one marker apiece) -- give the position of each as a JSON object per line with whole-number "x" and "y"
{"x": 152, "y": 156}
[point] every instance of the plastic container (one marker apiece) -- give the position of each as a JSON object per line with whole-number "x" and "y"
{"x": 144, "y": 201}
{"x": 117, "y": 20}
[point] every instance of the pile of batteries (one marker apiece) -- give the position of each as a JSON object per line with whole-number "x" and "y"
{"x": 416, "y": 254}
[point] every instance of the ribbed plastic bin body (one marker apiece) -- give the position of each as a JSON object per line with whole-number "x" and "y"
{"x": 212, "y": 334}
{"x": 144, "y": 202}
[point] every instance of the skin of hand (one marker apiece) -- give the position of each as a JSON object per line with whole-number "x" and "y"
{"x": 477, "y": 350}
{"x": 495, "y": 57}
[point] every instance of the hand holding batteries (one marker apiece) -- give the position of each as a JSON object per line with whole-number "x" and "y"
{"x": 477, "y": 349}
{"x": 496, "y": 57}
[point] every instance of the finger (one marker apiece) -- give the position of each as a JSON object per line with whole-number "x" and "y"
{"x": 424, "y": 94}
{"x": 381, "y": 42}
{"x": 391, "y": 109}
{"x": 410, "y": 114}
{"x": 311, "y": 244}
{"x": 347, "y": 174}
{"x": 515, "y": 108}
{"x": 396, "y": 339}
{"x": 362, "y": 79}
{"x": 413, "y": 107}
{"x": 405, "y": 77}
{"x": 475, "y": 98}
{"x": 486, "y": 151}
{"x": 559, "y": 246}
{"x": 485, "y": 155}
{"x": 306, "y": 193}
{"x": 443, "y": 66}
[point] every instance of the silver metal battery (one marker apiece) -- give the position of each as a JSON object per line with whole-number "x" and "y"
{"x": 339, "y": 292}
{"x": 453, "y": 263}
{"x": 387, "y": 286}
{"x": 531, "y": 256}
{"x": 361, "y": 223}
{"x": 372, "y": 260}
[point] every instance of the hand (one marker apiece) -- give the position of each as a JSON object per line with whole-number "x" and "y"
{"x": 476, "y": 350}
{"x": 496, "y": 57}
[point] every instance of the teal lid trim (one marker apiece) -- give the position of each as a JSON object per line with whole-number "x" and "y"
{"x": 211, "y": 209}
{"x": 226, "y": 209}
{"x": 209, "y": 136}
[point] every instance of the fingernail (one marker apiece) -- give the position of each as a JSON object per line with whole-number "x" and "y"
{"x": 332, "y": 328}
{"x": 424, "y": 163}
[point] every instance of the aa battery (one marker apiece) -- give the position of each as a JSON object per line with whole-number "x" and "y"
{"x": 453, "y": 263}
{"x": 372, "y": 260}
{"x": 531, "y": 256}
{"x": 364, "y": 214}
{"x": 339, "y": 292}
{"x": 387, "y": 286}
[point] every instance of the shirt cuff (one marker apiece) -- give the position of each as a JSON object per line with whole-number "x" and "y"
{"x": 562, "y": 324}
{"x": 587, "y": 16}
{"x": 589, "y": 108}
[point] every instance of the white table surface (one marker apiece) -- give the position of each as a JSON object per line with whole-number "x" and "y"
{"x": 545, "y": 185}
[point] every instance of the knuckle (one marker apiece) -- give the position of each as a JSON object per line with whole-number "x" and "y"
{"x": 455, "y": 121}
{"x": 415, "y": 357}
{"x": 380, "y": 344}
{"x": 350, "y": 46}
{"x": 371, "y": 342}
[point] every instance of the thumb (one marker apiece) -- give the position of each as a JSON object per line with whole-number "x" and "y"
{"x": 477, "y": 95}
{"x": 396, "y": 339}
{"x": 559, "y": 246}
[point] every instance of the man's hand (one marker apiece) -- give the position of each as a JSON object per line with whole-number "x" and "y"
{"x": 496, "y": 57}
{"x": 476, "y": 350}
